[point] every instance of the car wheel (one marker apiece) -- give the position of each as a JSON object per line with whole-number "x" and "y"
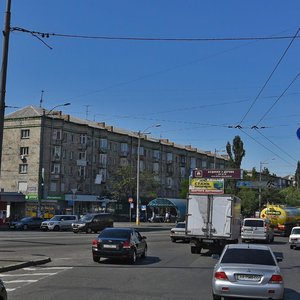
{"x": 173, "y": 240}
{"x": 56, "y": 228}
{"x": 25, "y": 227}
{"x": 132, "y": 259}
{"x": 144, "y": 254}
{"x": 193, "y": 249}
{"x": 243, "y": 241}
{"x": 89, "y": 230}
{"x": 291, "y": 247}
{"x": 96, "y": 258}
{"x": 216, "y": 297}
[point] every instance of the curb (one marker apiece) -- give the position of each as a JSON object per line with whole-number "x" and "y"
{"x": 25, "y": 264}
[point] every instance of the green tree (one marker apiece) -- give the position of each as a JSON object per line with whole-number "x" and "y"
{"x": 123, "y": 184}
{"x": 291, "y": 196}
{"x": 184, "y": 188}
{"x": 297, "y": 175}
{"x": 249, "y": 202}
{"x": 236, "y": 152}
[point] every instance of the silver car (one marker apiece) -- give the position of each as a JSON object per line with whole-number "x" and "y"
{"x": 247, "y": 270}
{"x": 178, "y": 233}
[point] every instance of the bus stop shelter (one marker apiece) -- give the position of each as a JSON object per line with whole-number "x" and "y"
{"x": 173, "y": 204}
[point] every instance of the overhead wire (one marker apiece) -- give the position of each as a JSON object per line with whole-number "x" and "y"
{"x": 131, "y": 38}
{"x": 270, "y": 76}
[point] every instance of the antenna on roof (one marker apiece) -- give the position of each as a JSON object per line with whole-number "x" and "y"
{"x": 41, "y": 100}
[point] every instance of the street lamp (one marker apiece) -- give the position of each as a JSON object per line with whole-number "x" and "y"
{"x": 259, "y": 187}
{"x": 140, "y": 133}
{"x": 215, "y": 156}
{"x": 41, "y": 168}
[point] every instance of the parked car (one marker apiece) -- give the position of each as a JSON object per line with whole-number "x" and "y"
{"x": 3, "y": 293}
{"x": 93, "y": 223}
{"x": 294, "y": 238}
{"x": 124, "y": 243}
{"x": 27, "y": 223}
{"x": 178, "y": 233}
{"x": 249, "y": 271}
{"x": 257, "y": 229}
{"x": 59, "y": 222}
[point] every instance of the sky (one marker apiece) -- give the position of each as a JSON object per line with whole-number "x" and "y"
{"x": 206, "y": 71}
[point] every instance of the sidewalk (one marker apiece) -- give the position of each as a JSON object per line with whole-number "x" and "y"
{"x": 10, "y": 260}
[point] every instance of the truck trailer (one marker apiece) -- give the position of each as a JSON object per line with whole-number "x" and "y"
{"x": 213, "y": 221}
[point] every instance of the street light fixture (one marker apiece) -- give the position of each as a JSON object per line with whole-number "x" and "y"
{"x": 140, "y": 133}
{"x": 259, "y": 188}
{"x": 41, "y": 168}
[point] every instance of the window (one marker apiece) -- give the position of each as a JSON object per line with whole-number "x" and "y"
{"x": 204, "y": 163}
{"x": 83, "y": 139}
{"x": 124, "y": 147}
{"x": 169, "y": 157}
{"x": 156, "y": 167}
{"x": 53, "y": 186}
{"x": 82, "y": 155}
{"x": 24, "y": 150}
{"x": 182, "y": 171}
{"x": 71, "y": 154}
{"x": 103, "y": 143}
{"x": 55, "y": 168}
{"x": 193, "y": 162}
{"x": 81, "y": 171}
{"x": 103, "y": 159}
{"x": 142, "y": 150}
{"x": 57, "y": 134}
{"x": 156, "y": 154}
{"x": 23, "y": 168}
{"x": 25, "y": 133}
{"x": 56, "y": 151}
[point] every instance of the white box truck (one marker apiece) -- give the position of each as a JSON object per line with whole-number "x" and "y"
{"x": 212, "y": 221}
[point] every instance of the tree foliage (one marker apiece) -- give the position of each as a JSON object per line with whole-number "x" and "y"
{"x": 297, "y": 175}
{"x": 123, "y": 184}
{"x": 291, "y": 196}
{"x": 236, "y": 152}
{"x": 184, "y": 188}
{"x": 249, "y": 202}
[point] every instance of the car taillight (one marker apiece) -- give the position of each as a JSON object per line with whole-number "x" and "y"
{"x": 221, "y": 276}
{"x": 127, "y": 244}
{"x": 95, "y": 243}
{"x": 276, "y": 279}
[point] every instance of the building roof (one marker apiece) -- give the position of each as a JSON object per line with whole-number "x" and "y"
{"x": 35, "y": 111}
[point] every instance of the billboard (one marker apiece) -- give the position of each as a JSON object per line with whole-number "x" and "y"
{"x": 206, "y": 186}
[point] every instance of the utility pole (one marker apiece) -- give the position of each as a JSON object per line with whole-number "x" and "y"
{"x": 3, "y": 73}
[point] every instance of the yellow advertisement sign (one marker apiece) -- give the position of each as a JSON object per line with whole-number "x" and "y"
{"x": 206, "y": 186}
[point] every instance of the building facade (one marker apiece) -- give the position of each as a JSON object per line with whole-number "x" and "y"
{"x": 62, "y": 163}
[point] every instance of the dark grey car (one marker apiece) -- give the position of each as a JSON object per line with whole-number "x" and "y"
{"x": 124, "y": 243}
{"x": 3, "y": 293}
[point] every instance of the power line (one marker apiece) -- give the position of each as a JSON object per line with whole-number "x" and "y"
{"x": 130, "y": 38}
{"x": 270, "y": 76}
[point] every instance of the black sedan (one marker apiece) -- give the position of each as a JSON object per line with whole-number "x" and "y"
{"x": 3, "y": 293}
{"x": 27, "y": 223}
{"x": 125, "y": 243}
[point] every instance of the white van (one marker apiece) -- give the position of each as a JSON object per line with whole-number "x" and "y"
{"x": 59, "y": 222}
{"x": 257, "y": 229}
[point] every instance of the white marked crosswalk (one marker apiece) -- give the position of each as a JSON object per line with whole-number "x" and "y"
{"x": 17, "y": 279}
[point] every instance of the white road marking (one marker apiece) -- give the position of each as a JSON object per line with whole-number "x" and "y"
{"x": 20, "y": 281}
{"x": 33, "y": 274}
{"x": 48, "y": 268}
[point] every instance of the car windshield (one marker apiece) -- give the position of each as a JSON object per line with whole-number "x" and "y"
{"x": 296, "y": 231}
{"x": 113, "y": 233}
{"x": 86, "y": 218}
{"x": 254, "y": 223}
{"x": 248, "y": 256}
{"x": 180, "y": 225}
{"x": 25, "y": 219}
{"x": 56, "y": 218}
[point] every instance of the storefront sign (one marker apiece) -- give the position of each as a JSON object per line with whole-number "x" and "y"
{"x": 206, "y": 186}
{"x": 226, "y": 174}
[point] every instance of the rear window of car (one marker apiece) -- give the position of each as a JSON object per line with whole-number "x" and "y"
{"x": 254, "y": 223}
{"x": 248, "y": 256}
{"x": 180, "y": 225}
{"x": 296, "y": 231}
{"x": 112, "y": 233}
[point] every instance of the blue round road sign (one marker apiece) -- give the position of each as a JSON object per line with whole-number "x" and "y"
{"x": 298, "y": 133}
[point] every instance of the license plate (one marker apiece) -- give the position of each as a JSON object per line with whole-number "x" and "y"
{"x": 208, "y": 241}
{"x": 110, "y": 246}
{"x": 248, "y": 277}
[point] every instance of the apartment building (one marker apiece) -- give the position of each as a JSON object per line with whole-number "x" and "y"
{"x": 63, "y": 163}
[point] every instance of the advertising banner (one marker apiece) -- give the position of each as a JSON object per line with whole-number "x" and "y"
{"x": 206, "y": 186}
{"x": 222, "y": 173}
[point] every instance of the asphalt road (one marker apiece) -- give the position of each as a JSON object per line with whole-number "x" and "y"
{"x": 169, "y": 272}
